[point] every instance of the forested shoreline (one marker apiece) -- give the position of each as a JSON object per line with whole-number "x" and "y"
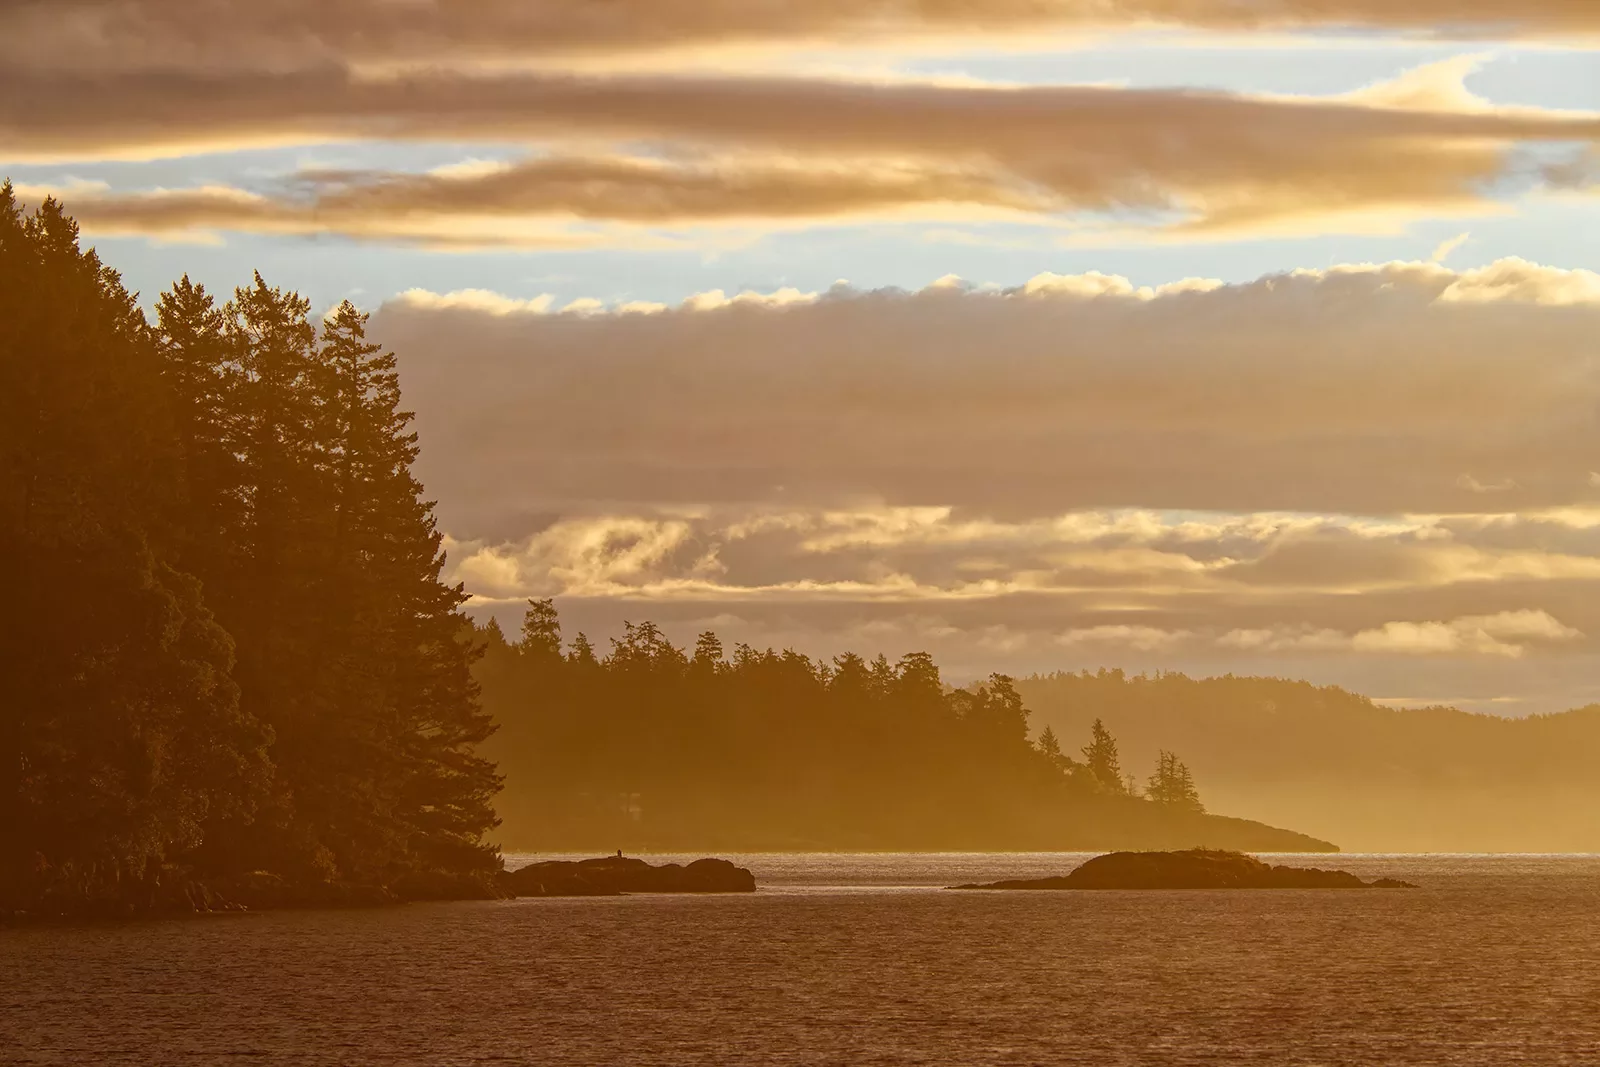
{"x": 657, "y": 747}
{"x": 233, "y": 672}
{"x": 1336, "y": 764}
{"x": 228, "y": 648}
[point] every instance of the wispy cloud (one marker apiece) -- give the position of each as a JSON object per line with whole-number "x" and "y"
{"x": 732, "y": 150}
{"x": 99, "y": 36}
{"x": 1448, "y": 248}
{"x": 1401, "y": 387}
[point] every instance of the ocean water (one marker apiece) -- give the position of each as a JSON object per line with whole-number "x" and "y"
{"x": 850, "y": 960}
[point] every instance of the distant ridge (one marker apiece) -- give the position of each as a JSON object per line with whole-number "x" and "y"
{"x": 1337, "y": 765}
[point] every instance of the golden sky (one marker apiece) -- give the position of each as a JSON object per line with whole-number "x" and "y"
{"x": 1179, "y": 333}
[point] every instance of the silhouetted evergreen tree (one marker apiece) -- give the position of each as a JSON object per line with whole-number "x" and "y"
{"x": 582, "y": 652}
{"x": 708, "y": 655}
{"x": 201, "y": 377}
{"x": 541, "y": 631}
{"x": 1172, "y": 785}
{"x": 1100, "y": 756}
{"x": 1050, "y": 748}
{"x": 409, "y": 706}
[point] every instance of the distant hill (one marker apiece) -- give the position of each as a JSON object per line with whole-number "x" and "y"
{"x": 1334, "y": 764}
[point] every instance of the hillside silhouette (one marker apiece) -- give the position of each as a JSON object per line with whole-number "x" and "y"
{"x": 656, "y": 747}
{"x": 1335, "y": 764}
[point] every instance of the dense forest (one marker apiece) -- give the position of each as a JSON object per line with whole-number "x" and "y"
{"x": 226, "y": 645}
{"x": 657, "y": 747}
{"x": 1337, "y": 765}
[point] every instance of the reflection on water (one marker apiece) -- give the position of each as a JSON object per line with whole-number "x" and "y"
{"x": 1492, "y": 962}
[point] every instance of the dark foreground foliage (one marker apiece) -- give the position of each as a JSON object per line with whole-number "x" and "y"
{"x": 226, "y": 648}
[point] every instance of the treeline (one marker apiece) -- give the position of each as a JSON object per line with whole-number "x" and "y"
{"x": 1171, "y": 784}
{"x": 1336, "y": 764}
{"x": 226, "y": 645}
{"x": 652, "y": 745}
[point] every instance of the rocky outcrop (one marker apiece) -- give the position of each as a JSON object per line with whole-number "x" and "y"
{"x": 1196, "y": 868}
{"x": 613, "y": 875}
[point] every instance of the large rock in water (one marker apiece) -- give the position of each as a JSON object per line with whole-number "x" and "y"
{"x": 611, "y": 875}
{"x": 1196, "y": 868}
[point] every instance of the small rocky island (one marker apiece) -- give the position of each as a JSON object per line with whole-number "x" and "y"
{"x": 615, "y": 875}
{"x": 1196, "y": 868}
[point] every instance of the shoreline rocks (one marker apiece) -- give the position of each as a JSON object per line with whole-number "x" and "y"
{"x": 616, "y": 875}
{"x": 174, "y": 891}
{"x": 1196, "y": 868}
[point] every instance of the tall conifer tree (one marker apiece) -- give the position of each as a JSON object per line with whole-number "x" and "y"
{"x": 201, "y": 379}
{"x": 410, "y": 639}
{"x": 1103, "y": 761}
{"x": 121, "y": 736}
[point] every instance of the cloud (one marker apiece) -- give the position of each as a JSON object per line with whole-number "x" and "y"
{"x": 475, "y": 300}
{"x": 726, "y": 149}
{"x": 1472, "y": 485}
{"x": 1507, "y": 633}
{"x": 1385, "y": 467}
{"x": 1137, "y": 638}
{"x": 1449, "y": 247}
{"x": 1120, "y": 561}
{"x": 1357, "y": 390}
{"x": 576, "y": 557}
{"x": 534, "y": 202}
{"x": 1485, "y": 635}
{"x": 1076, "y": 472}
{"x": 1437, "y": 86}
{"x": 102, "y": 35}
{"x": 988, "y": 594}
{"x": 1517, "y": 279}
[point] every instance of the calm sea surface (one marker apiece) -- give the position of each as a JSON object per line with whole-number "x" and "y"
{"x": 849, "y": 959}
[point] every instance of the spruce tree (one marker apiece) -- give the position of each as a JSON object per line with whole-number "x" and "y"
{"x": 541, "y": 631}
{"x": 1172, "y": 785}
{"x": 1105, "y": 765}
{"x": 200, "y": 377}
{"x": 708, "y": 655}
{"x": 407, "y": 636}
{"x": 1005, "y": 717}
{"x": 1049, "y": 747}
{"x": 581, "y": 653}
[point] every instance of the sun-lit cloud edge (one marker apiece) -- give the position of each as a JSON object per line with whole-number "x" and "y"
{"x": 727, "y": 186}
{"x": 1508, "y": 280}
{"x": 144, "y": 34}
